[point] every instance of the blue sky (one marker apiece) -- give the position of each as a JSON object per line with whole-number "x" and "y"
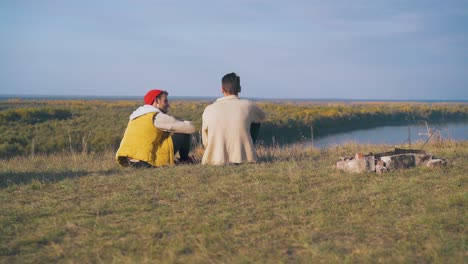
{"x": 374, "y": 49}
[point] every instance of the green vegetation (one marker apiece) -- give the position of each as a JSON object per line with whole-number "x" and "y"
{"x": 292, "y": 121}
{"x": 63, "y": 197}
{"x": 31, "y": 127}
{"x": 93, "y": 126}
{"x": 291, "y": 207}
{"x": 33, "y": 115}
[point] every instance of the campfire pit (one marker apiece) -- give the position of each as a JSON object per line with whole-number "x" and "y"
{"x": 386, "y": 161}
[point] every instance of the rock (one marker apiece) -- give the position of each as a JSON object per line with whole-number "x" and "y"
{"x": 383, "y": 162}
{"x": 344, "y": 158}
{"x": 380, "y": 167}
{"x": 387, "y": 160}
{"x": 358, "y": 164}
{"x": 422, "y": 159}
{"x": 436, "y": 163}
{"x": 400, "y": 161}
{"x": 370, "y": 163}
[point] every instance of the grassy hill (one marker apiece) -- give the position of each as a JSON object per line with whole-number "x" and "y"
{"x": 291, "y": 207}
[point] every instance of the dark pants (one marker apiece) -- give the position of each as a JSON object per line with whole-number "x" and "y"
{"x": 182, "y": 144}
{"x": 254, "y": 129}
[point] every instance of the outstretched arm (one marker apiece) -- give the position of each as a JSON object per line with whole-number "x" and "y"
{"x": 171, "y": 124}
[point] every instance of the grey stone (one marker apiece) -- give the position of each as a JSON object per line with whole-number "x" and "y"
{"x": 436, "y": 163}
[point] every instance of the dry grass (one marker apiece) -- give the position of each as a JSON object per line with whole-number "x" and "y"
{"x": 290, "y": 207}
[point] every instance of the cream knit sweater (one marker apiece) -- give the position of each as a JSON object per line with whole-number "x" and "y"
{"x": 226, "y": 131}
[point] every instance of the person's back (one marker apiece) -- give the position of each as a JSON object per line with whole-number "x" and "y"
{"x": 226, "y": 128}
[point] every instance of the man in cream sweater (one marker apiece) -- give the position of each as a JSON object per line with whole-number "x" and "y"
{"x": 226, "y": 126}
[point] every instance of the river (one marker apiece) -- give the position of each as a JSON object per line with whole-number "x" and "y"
{"x": 395, "y": 135}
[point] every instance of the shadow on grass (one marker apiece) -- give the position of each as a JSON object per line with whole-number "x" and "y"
{"x": 13, "y": 178}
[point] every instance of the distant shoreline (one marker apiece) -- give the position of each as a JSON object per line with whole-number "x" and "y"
{"x": 206, "y": 98}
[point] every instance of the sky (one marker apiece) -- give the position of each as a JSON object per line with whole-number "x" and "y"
{"x": 360, "y": 49}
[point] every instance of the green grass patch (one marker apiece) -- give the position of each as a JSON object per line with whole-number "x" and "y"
{"x": 291, "y": 207}
{"x": 31, "y": 127}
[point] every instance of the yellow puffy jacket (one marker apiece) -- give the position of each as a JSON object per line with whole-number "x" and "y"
{"x": 143, "y": 141}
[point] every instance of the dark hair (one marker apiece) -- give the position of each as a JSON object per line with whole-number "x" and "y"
{"x": 161, "y": 94}
{"x": 231, "y": 83}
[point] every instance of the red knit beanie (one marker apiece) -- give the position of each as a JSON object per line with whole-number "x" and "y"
{"x": 151, "y": 96}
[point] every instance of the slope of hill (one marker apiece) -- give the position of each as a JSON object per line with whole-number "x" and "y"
{"x": 290, "y": 207}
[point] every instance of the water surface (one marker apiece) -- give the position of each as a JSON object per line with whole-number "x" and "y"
{"x": 396, "y": 135}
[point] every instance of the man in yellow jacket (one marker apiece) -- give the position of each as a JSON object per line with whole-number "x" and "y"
{"x": 153, "y": 137}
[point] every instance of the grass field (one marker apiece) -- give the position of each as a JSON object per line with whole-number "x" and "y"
{"x": 290, "y": 207}
{"x": 29, "y": 127}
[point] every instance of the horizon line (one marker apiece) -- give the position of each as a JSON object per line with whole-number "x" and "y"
{"x": 180, "y": 97}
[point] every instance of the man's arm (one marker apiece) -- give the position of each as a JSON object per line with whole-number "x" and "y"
{"x": 258, "y": 114}
{"x": 204, "y": 131}
{"x": 169, "y": 123}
